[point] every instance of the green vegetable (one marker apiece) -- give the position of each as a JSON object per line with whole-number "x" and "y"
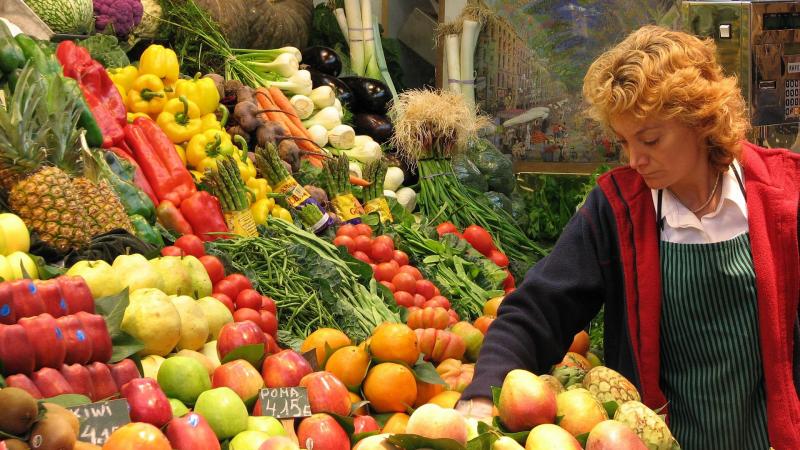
{"x": 227, "y": 185}
{"x": 65, "y": 16}
{"x": 106, "y": 49}
{"x": 145, "y": 231}
{"x": 133, "y": 199}
{"x": 45, "y": 63}
{"x": 11, "y": 56}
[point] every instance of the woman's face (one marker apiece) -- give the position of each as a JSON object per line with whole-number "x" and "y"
{"x": 663, "y": 152}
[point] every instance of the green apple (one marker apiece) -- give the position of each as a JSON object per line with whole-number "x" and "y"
{"x": 201, "y": 283}
{"x": 223, "y": 410}
{"x": 150, "y": 366}
{"x": 266, "y": 424}
{"x": 176, "y": 276}
{"x": 194, "y": 326}
{"x": 217, "y": 315}
{"x": 18, "y": 260}
{"x": 203, "y": 359}
{"x": 183, "y": 378}
{"x": 101, "y": 278}
{"x": 178, "y": 408}
{"x": 248, "y": 440}
{"x": 135, "y": 272}
{"x": 15, "y": 236}
{"x": 210, "y": 351}
{"x": 5, "y": 270}
{"x": 152, "y": 319}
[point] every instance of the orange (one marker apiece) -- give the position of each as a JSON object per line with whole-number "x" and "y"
{"x": 317, "y": 340}
{"x": 137, "y": 436}
{"x": 580, "y": 343}
{"x": 426, "y": 391}
{"x": 490, "y": 307}
{"x": 350, "y": 365}
{"x": 395, "y": 342}
{"x": 446, "y": 399}
{"x": 390, "y": 387}
{"x": 355, "y": 399}
{"x": 396, "y": 424}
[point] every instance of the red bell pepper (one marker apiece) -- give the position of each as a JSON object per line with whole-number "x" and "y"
{"x": 171, "y": 218}
{"x": 157, "y": 175}
{"x": 111, "y": 129}
{"x": 165, "y": 150}
{"x": 139, "y": 180}
{"x": 202, "y": 210}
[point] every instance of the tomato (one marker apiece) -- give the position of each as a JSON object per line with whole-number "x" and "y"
{"x": 225, "y": 300}
{"x": 252, "y": 315}
{"x": 479, "y": 238}
{"x": 364, "y": 230}
{"x": 405, "y": 282}
{"x": 404, "y": 299}
{"x": 248, "y": 298}
{"x": 171, "y": 250}
{"x": 509, "y": 282}
{"x": 191, "y": 244}
{"x": 400, "y": 257}
{"x": 413, "y": 271}
{"x": 227, "y": 287}
{"x": 268, "y": 304}
{"x": 419, "y": 301}
{"x": 386, "y": 240}
{"x": 241, "y": 281}
{"x": 358, "y": 254}
{"x": 214, "y": 267}
{"x": 440, "y": 301}
{"x": 389, "y": 286}
{"x": 425, "y": 288}
{"x": 446, "y": 228}
{"x": 381, "y": 251}
{"x": 345, "y": 241}
{"x": 348, "y": 230}
{"x": 270, "y": 323}
{"x": 385, "y": 272}
{"x": 499, "y": 258}
{"x": 363, "y": 244}
{"x": 137, "y": 436}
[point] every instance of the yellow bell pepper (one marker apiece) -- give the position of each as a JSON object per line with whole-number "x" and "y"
{"x": 124, "y": 77}
{"x": 259, "y": 187}
{"x": 180, "y": 120}
{"x": 146, "y": 95}
{"x": 181, "y": 153}
{"x": 204, "y": 149}
{"x": 281, "y": 213}
{"x": 161, "y": 62}
{"x": 260, "y": 210}
{"x": 202, "y": 91}
{"x": 198, "y": 177}
{"x": 210, "y": 122}
{"x": 246, "y": 167}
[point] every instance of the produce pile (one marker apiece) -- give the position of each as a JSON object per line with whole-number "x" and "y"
{"x": 196, "y": 227}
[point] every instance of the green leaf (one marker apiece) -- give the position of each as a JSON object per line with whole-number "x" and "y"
{"x": 125, "y": 345}
{"x": 345, "y": 422}
{"x": 69, "y": 400}
{"x": 112, "y": 308}
{"x": 520, "y": 437}
{"x": 581, "y": 438}
{"x": 358, "y": 405}
{"x": 426, "y": 372}
{"x": 311, "y": 357}
{"x": 496, "y": 395}
{"x": 414, "y": 442}
{"x": 611, "y": 408}
{"x": 382, "y": 418}
{"x": 250, "y": 353}
{"x": 484, "y": 441}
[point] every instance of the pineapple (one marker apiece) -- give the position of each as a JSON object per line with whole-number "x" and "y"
{"x": 648, "y": 425}
{"x": 101, "y": 206}
{"x": 608, "y": 385}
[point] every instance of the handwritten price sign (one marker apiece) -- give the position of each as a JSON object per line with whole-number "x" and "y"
{"x": 99, "y": 420}
{"x": 285, "y": 403}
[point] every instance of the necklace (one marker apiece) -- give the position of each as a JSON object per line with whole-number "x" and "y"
{"x": 711, "y": 196}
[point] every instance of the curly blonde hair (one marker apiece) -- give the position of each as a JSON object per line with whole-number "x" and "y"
{"x": 656, "y": 72}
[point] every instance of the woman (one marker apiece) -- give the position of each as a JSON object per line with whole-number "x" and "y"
{"x": 692, "y": 248}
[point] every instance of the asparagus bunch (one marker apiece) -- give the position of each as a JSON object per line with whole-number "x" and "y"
{"x": 227, "y": 185}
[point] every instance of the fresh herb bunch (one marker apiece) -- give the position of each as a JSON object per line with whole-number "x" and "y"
{"x": 227, "y": 185}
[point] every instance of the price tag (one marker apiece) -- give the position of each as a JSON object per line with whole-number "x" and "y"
{"x": 99, "y": 420}
{"x": 285, "y": 403}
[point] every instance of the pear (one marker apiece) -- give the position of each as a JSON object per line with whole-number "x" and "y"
{"x": 99, "y": 275}
{"x": 5, "y": 269}
{"x": 210, "y": 350}
{"x": 217, "y": 315}
{"x": 194, "y": 325}
{"x": 19, "y": 261}
{"x": 176, "y": 276}
{"x": 150, "y": 366}
{"x": 153, "y": 319}
{"x": 135, "y": 272}
{"x": 201, "y": 283}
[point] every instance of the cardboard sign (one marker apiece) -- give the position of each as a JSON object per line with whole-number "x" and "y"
{"x": 99, "y": 420}
{"x": 285, "y": 403}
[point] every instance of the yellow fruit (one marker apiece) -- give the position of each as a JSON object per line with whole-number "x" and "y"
{"x": 5, "y": 269}
{"x": 446, "y": 399}
{"x": 396, "y": 424}
{"x": 20, "y": 260}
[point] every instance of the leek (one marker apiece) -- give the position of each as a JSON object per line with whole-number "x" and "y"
{"x": 453, "y": 66}
{"x": 353, "y": 11}
{"x": 370, "y": 37}
{"x": 341, "y": 19}
{"x": 469, "y": 39}
{"x": 381, "y": 60}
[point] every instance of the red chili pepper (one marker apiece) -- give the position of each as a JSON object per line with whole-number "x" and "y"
{"x": 169, "y": 157}
{"x": 139, "y": 180}
{"x": 158, "y": 176}
{"x": 172, "y": 219}
{"x": 204, "y": 213}
{"x": 109, "y": 126}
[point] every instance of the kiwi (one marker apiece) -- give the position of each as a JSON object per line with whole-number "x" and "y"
{"x": 19, "y": 411}
{"x": 59, "y": 410}
{"x": 16, "y": 444}
{"x": 52, "y": 433}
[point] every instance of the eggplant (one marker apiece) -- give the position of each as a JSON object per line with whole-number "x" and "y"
{"x": 372, "y": 96}
{"x": 323, "y": 59}
{"x": 376, "y": 126}
{"x": 342, "y": 91}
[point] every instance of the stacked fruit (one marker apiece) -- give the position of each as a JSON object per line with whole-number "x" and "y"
{"x": 97, "y": 381}
{"x": 15, "y": 242}
{"x": 481, "y": 240}
{"x": 24, "y": 423}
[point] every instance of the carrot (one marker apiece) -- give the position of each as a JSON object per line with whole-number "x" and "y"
{"x": 266, "y": 101}
{"x": 283, "y": 103}
{"x": 356, "y": 181}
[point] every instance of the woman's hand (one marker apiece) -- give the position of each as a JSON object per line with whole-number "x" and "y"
{"x": 479, "y": 408}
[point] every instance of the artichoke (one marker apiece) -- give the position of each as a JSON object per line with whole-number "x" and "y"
{"x": 607, "y": 385}
{"x": 568, "y": 375}
{"x": 648, "y": 425}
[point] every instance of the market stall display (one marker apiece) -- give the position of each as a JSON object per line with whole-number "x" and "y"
{"x": 199, "y": 228}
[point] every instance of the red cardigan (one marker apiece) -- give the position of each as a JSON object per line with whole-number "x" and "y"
{"x": 772, "y": 185}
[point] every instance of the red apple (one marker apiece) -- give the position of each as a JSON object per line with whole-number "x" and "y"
{"x": 191, "y": 432}
{"x": 95, "y": 327}
{"x": 172, "y": 250}
{"x": 240, "y": 376}
{"x": 26, "y": 301}
{"x": 50, "y": 293}
{"x": 284, "y": 369}
{"x": 48, "y": 344}
{"x": 248, "y": 298}
{"x": 191, "y": 244}
{"x": 103, "y": 381}
{"x": 225, "y": 300}
{"x": 237, "y": 334}
{"x": 123, "y": 372}
{"x": 79, "y": 378}
{"x": 147, "y": 402}
{"x": 279, "y": 443}
{"x": 272, "y": 345}
{"x": 242, "y": 314}
{"x": 214, "y": 268}
{"x": 76, "y": 342}
{"x": 268, "y": 304}
{"x": 23, "y": 382}
{"x": 613, "y": 435}
{"x": 326, "y": 393}
{"x": 269, "y": 323}
{"x": 16, "y": 351}
{"x": 365, "y": 424}
{"x": 322, "y": 432}
{"x": 51, "y": 383}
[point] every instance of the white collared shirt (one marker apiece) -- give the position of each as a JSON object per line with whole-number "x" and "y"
{"x": 729, "y": 220}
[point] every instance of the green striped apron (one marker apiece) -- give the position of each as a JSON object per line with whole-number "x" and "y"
{"x": 711, "y": 369}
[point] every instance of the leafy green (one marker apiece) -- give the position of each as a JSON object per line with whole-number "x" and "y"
{"x": 106, "y": 50}
{"x": 112, "y": 308}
